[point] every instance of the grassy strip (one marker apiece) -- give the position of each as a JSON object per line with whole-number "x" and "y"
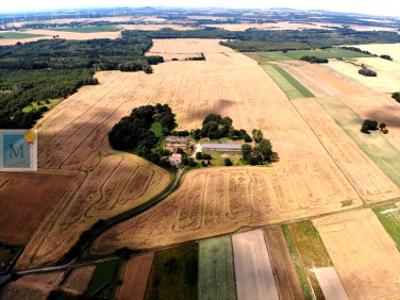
{"x": 88, "y": 29}
{"x": 381, "y": 151}
{"x": 18, "y": 35}
{"x": 174, "y": 274}
{"x": 320, "y": 53}
{"x": 389, "y": 216}
{"x": 105, "y": 280}
{"x": 289, "y": 85}
{"x": 35, "y": 106}
{"x": 308, "y": 294}
{"x": 311, "y": 251}
{"x": 216, "y": 270}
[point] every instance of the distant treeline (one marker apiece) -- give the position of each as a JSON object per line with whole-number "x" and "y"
{"x": 51, "y": 69}
{"x": 265, "y": 40}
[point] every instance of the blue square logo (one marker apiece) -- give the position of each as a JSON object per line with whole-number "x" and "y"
{"x": 18, "y": 150}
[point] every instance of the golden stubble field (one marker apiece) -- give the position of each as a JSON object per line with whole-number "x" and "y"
{"x": 305, "y": 182}
{"x": 364, "y": 255}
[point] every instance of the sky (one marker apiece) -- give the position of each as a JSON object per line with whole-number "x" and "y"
{"x": 373, "y": 7}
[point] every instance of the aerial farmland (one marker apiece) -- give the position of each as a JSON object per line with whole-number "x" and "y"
{"x": 212, "y": 155}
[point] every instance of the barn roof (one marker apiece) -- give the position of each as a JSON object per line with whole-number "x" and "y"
{"x": 231, "y": 146}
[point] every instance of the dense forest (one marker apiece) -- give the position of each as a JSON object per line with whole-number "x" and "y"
{"x": 51, "y": 69}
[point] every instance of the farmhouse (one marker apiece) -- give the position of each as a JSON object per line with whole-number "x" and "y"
{"x": 222, "y": 147}
{"x": 175, "y": 142}
{"x": 175, "y": 160}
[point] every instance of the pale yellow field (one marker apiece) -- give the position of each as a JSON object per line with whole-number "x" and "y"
{"x": 364, "y": 255}
{"x": 385, "y": 82}
{"x": 272, "y": 26}
{"x": 390, "y": 49}
{"x": 154, "y": 26}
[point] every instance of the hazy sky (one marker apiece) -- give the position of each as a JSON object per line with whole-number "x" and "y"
{"x": 382, "y": 7}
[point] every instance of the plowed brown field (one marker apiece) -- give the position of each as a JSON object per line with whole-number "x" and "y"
{"x": 305, "y": 182}
{"x": 364, "y": 255}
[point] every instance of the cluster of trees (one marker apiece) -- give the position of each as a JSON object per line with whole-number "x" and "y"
{"x": 314, "y": 59}
{"x": 372, "y": 125}
{"x": 134, "y": 132}
{"x": 355, "y": 49}
{"x": 261, "y": 153}
{"x": 396, "y": 96}
{"x": 197, "y": 58}
{"x": 215, "y": 127}
{"x": 387, "y": 57}
{"x": 367, "y": 72}
{"x": 20, "y": 88}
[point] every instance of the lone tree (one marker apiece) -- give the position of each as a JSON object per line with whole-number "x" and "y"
{"x": 368, "y": 126}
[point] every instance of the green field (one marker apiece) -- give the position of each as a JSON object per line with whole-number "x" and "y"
{"x": 288, "y": 84}
{"x": 18, "y": 35}
{"x": 304, "y": 240}
{"x": 216, "y": 269}
{"x": 103, "y": 284}
{"x": 174, "y": 274}
{"x": 380, "y": 150}
{"x": 320, "y": 53}
{"x": 35, "y": 106}
{"x": 389, "y": 216}
{"x": 88, "y": 29}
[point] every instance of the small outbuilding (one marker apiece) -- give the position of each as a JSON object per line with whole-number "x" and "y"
{"x": 222, "y": 147}
{"x": 175, "y": 160}
{"x": 175, "y": 142}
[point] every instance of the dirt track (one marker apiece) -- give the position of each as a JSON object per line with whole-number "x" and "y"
{"x": 364, "y": 255}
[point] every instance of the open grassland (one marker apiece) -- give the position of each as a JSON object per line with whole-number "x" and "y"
{"x": 28, "y": 198}
{"x": 320, "y": 53}
{"x": 254, "y": 277}
{"x": 105, "y": 280}
{"x": 216, "y": 270}
{"x": 305, "y": 182}
{"x": 375, "y": 145}
{"x": 364, "y": 255}
{"x": 389, "y": 216}
{"x": 322, "y": 80}
{"x": 311, "y": 253}
{"x": 174, "y": 274}
{"x": 367, "y": 178}
{"x": 387, "y": 80}
{"x": 287, "y": 281}
{"x": 291, "y": 87}
{"x": 14, "y": 35}
{"x": 390, "y": 49}
{"x": 135, "y": 277}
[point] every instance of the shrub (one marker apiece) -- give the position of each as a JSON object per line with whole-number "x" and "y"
{"x": 314, "y": 59}
{"x": 367, "y": 72}
{"x": 204, "y": 164}
{"x": 396, "y": 96}
{"x": 199, "y": 155}
{"x": 369, "y": 125}
{"x": 387, "y": 57}
{"x": 228, "y": 162}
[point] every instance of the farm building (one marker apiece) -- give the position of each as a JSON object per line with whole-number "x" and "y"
{"x": 175, "y": 142}
{"x": 175, "y": 160}
{"x": 222, "y": 147}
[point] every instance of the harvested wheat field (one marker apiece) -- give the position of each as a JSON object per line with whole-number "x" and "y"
{"x": 35, "y": 286}
{"x": 382, "y": 108}
{"x": 243, "y": 91}
{"x": 73, "y": 136}
{"x": 390, "y": 49}
{"x": 385, "y": 82}
{"x": 33, "y": 197}
{"x": 272, "y": 26}
{"x": 254, "y": 277}
{"x": 329, "y": 83}
{"x": 283, "y": 268}
{"x": 135, "y": 276}
{"x": 78, "y": 280}
{"x": 154, "y": 26}
{"x": 366, "y": 177}
{"x": 364, "y": 255}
